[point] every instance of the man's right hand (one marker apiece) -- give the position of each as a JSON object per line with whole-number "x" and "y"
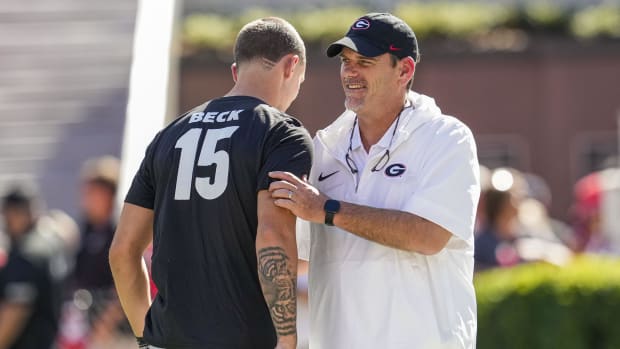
{"x": 298, "y": 196}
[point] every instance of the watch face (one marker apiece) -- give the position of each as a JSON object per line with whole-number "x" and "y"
{"x": 332, "y": 206}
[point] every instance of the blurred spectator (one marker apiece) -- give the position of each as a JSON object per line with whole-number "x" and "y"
{"x": 31, "y": 276}
{"x": 99, "y": 178}
{"x": 595, "y": 212}
{"x": 485, "y": 185}
{"x": 539, "y": 237}
{"x": 587, "y": 215}
{"x": 93, "y": 315}
{"x": 516, "y": 228}
{"x": 534, "y": 214}
{"x": 496, "y": 243}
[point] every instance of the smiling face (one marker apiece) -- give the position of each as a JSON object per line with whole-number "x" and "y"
{"x": 369, "y": 83}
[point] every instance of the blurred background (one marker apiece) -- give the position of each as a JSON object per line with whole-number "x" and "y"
{"x": 85, "y": 85}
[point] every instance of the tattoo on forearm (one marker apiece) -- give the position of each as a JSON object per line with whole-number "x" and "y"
{"x": 279, "y": 287}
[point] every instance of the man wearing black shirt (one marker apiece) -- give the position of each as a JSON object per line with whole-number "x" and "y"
{"x": 30, "y": 281}
{"x": 224, "y": 256}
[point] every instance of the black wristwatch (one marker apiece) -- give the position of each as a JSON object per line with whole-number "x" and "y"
{"x": 331, "y": 207}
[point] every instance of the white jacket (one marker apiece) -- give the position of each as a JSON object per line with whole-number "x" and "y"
{"x": 366, "y": 295}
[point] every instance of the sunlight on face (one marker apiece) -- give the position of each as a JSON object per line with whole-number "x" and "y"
{"x": 366, "y": 81}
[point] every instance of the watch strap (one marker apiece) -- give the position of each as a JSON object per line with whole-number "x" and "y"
{"x": 329, "y": 218}
{"x": 331, "y": 207}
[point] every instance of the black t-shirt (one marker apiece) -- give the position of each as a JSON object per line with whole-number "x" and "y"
{"x": 30, "y": 278}
{"x": 201, "y": 176}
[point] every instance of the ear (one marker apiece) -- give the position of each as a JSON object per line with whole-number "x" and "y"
{"x": 407, "y": 69}
{"x": 233, "y": 69}
{"x": 290, "y": 62}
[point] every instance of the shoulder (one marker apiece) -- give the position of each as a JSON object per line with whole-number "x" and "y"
{"x": 427, "y": 117}
{"x": 21, "y": 264}
{"x": 443, "y": 137}
{"x": 449, "y": 126}
{"x": 281, "y": 123}
{"x": 445, "y": 134}
{"x": 278, "y": 117}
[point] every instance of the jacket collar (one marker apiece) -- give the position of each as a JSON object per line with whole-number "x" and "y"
{"x": 335, "y": 137}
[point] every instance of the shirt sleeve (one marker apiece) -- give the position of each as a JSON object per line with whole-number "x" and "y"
{"x": 142, "y": 190}
{"x": 19, "y": 284}
{"x": 450, "y": 183}
{"x": 288, "y": 148}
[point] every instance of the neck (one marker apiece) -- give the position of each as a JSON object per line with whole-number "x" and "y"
{"x": 259, "y": 83}
{"x": 374, "y": 126}
{"x": 99, "y": 221}
{"x": 19, "y": 233}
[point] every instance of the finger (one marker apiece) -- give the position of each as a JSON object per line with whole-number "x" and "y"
{"x": 304, "y": 178}
{"x": 282, "y": 194}
{"x": 281, "y": 185}
{"x": 287, "y": 176}
{"x": 287, "y": 204}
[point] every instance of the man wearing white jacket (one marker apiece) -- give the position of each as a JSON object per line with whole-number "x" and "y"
{"x": 387, "y": 215}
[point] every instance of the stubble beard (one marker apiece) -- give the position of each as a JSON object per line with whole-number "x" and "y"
{"x": 353, "y": 104}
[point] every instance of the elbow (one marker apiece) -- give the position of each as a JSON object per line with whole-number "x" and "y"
{"x": 430, "y": 240}
{"x": 428, "y": 247}
{"x": 428, "y": 250}
{"x": 115, "y": 256}
{"x": 267, "y": 238}
{"x": 121, "y": 254}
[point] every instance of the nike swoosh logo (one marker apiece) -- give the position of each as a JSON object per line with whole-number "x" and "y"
{"x": 322, "y": 178}
{"x": 393, "y": 48}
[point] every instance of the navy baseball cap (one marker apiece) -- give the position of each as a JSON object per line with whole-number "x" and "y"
{"x": 377, "y": 33}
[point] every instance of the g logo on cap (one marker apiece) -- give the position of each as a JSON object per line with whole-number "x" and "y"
{"x": 361, "y": 24}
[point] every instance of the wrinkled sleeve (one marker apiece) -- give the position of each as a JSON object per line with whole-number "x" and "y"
{"x": 142, "y": 189}
{"x": 19, "y": 284}
{"x": 288, "y": 148}
{"x": 450, "y": 184}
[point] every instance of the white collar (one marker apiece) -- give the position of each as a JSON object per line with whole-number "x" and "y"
{"x": 384, "y": 142}
{"x": 335, "y": 137}
{"x": 356, "y": 141}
